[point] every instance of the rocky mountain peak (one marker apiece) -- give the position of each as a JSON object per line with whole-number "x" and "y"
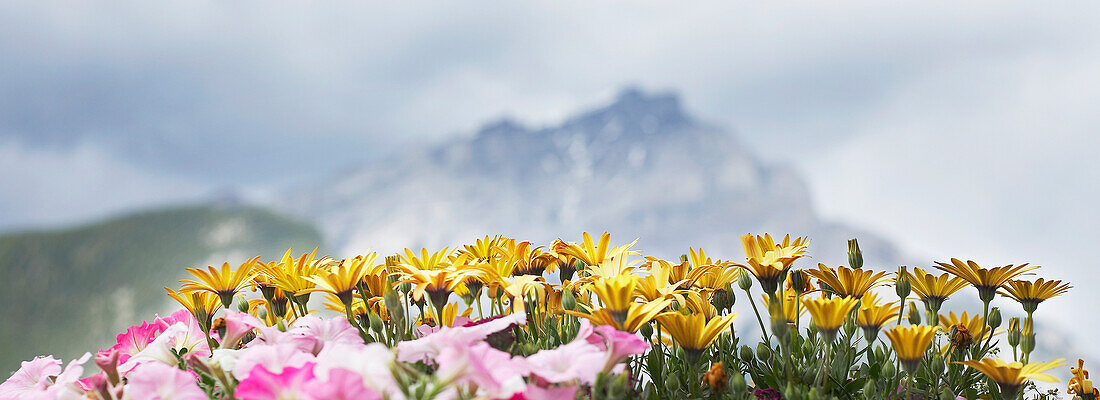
{"x": 637, "y": 111}
{"x": 639, "y": 167}
{"x": 502, "y": 127}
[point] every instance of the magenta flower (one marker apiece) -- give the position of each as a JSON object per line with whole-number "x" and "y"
{"x": 262, "y": 384}
{"x": 618, "y": 344}
{"x": 238, "y": 324}
{"x": 173, "y": 340}
{"x": 107, "y": 361}
{"x": 157, "y": 381}
{"x": 342, "y": 384}
{"x": 767, "y": 394}
{"x": 136, "y": 338}
{"x": 272, "y": 358}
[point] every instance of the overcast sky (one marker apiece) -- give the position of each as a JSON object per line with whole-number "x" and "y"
{"x": 964, "y": 129}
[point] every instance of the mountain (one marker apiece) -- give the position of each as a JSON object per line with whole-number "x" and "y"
{"x": 70, "y": 291}
{"x": 640, "y": 167}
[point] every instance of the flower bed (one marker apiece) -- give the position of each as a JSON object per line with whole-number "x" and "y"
{"x": 502, "y": 319}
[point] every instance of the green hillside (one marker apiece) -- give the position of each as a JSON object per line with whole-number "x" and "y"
{"x": 68, "y": 291}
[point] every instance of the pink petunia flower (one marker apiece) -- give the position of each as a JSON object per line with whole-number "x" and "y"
{"x": 290, "y": 383}
{"x": 237, "y": 325}
{"x": 428, "y": 347}
{"x": 425, "y": 330}
{"x": 173, "y": 340}
{"x": 32, "y": 376}
{"x": 619, "y": 345}
{"x": 272, "y": 336}
{"x": 32, "y": 380}
{"x": 342, "y": 384}
{"x": 333, "y": 330}
{"x": 495, "y": 373}
{"x": 272, "y": 358}
{"x": 370, "y": 362}
{"x": 534, "y": 392}
{"x": 157, "y": 381}
{"x": 574, "y": 361}
{"x": 178, "y": 316}
{"x": 136, "y": 338}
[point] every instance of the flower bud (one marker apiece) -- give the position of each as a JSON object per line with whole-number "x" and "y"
{"x": 647, "y": 331}
{"x": 746, "y": 354}
{"x": 1027, "y": 336}
{"x": 1027, "y": 344}
{"x": 887, "y": 370}
{"x": 780, "y": 328}
{"x": 763, "y": 352}
{"x": 242, "y": 304}
{"x": 914, "y": 314}
{"x": 375, "y": 321}
{"x": 107, "y": 360}
{"x": 720, "y": 299}
{"x": 994, "y": 319}
{"x": 789, "y": 393}
{"x": 737, "y": 383}
{"x": 807, "y": 347}
{"x": 945, "y": 394}
{"x": 743, "y": 280}
{"x": 901, "y": 285}
{"x": 937, "y": 364}
{"x": 850, "y": 326}
{"x": 393, "y": 306}
{"x": 1014, "y": 332}
{"x": 869, "y": 390}
{"x": 568, "y": 301}
{"x": 799, "y": 280}
{"x": 855, "y": 257}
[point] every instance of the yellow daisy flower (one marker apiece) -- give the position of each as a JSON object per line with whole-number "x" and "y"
{"x": 1031, "y": 293}
{"x": 225, "y": 282}
{"x": 829, "y": 314}
{"x": 987, "y": 280}
{"x": 1011, "y": 376}
{"x": 847, "y": 282}
{"x": 695, "y": 332}
{"x": 768, "y": 260}
{"x": 910, "y": 343}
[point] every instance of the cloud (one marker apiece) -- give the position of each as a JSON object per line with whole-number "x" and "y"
{"x": 45, "y": 187}
{"x": 1003, "y": 171}
{"x": 219, "y": 91}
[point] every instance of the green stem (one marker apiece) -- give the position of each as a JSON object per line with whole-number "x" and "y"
{"x": 755, "y": 310}
{"x": 901, "y": 313}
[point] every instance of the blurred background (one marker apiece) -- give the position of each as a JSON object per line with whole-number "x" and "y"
{"x": 138, "y": 139}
